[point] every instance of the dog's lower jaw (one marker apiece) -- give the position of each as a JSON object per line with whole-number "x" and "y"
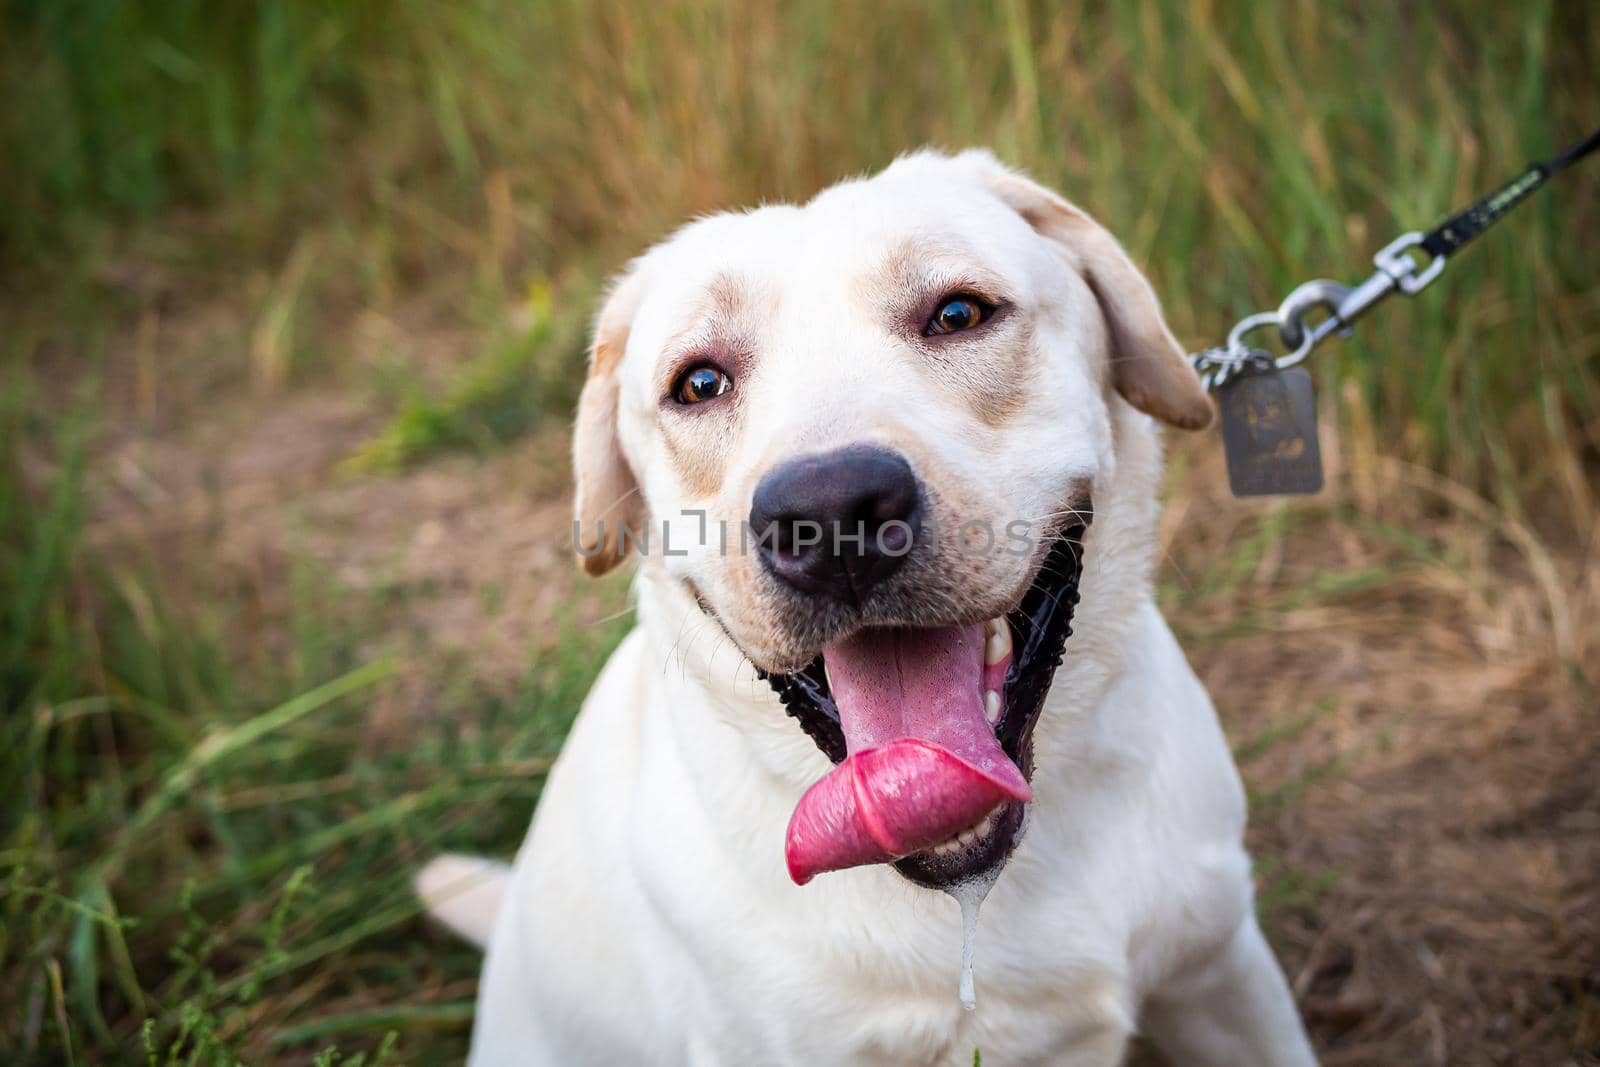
{"x": 939, "y": 868}
{"x": 1039, "y": 628}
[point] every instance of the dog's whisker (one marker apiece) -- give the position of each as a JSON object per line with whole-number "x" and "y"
{"x": 623, "y": 499}
{"x": 683, "y": 657}
{"x": 672, "y": 651}
{"x": 1066, "y": 513}
{"x": 614, "y": 616}
{"x": 1074, "y": 512}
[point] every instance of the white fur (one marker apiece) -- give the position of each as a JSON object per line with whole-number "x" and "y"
{"x": 464, "y": 893}
{"x": 649, "y": 918}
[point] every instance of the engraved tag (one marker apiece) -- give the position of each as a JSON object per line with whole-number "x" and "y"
{"x": 1269, "y": 431}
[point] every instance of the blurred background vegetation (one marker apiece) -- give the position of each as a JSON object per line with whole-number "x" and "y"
{"x": 206, "y": 208}
{"x": 1237, "y": 151}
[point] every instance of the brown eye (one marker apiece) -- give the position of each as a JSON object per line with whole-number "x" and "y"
{"x": 701, "y": 383}
{"x": 956, "y": 314}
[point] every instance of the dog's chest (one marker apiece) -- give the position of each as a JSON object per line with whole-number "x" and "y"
{"x": 1053, "y": 1018}
{"x": 852, "y": 978}
{"x": 900, "y": 1019}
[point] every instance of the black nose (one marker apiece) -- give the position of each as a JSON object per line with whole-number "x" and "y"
{"x": 839, "y": 523}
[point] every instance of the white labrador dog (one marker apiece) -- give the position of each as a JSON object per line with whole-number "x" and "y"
{"x": 872, "y": 451}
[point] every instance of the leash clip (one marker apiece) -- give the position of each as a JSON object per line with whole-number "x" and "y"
{"x": 1269, "y": 424}
{"x": 1324, "y": 293}
{"x": 1395, "y": 261}
{"x": 1344, "y": 304}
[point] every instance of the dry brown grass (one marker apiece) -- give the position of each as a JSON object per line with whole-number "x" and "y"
{"x": 1410, "y": 677}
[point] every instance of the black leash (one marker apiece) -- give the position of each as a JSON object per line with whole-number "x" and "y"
{"x": 1456, "y": 231}
{"x": 1268, "y": 417}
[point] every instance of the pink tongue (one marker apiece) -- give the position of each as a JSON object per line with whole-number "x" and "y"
{"x": 923, "y": 761}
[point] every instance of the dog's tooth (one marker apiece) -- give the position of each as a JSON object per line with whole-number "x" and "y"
{"x": 970, "y": 836}
{"x": 998, "y": 647}
{"x": 991, "y": 706}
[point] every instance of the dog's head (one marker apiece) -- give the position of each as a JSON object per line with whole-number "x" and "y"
{"x": 864, "y": 435}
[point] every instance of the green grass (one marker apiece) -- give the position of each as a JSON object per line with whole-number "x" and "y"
{"x": 495, "y": 397}
{"x": 204, "y": 850}
{"x": 214, "y": 863}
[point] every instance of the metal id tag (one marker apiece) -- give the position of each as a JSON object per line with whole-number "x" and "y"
{"x": 1269, "y": 431}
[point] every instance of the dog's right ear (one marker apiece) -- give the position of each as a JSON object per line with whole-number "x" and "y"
{"x": 607, "y": 499}
{"x": 1148, "y": 366}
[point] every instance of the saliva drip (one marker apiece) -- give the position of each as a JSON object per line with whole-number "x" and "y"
{"x": 970, "y": 895}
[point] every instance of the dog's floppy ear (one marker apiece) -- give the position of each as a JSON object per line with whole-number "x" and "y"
{"x": 607, "y": 500}
{"x": 1148, "y": 366}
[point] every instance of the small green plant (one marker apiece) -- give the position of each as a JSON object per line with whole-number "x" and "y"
{"x": 503, "y": 394}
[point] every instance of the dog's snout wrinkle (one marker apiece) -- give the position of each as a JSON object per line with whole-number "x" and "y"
{"x": 837, "y": 524}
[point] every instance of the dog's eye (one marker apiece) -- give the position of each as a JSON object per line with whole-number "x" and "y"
{"x": 700, "y": 383}
{"x": 956, "y": 314}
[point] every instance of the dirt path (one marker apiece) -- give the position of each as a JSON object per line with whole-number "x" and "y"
{"x": 1409, "y": 703}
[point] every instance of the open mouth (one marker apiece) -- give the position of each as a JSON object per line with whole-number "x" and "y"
{"x": 931, "y": 731}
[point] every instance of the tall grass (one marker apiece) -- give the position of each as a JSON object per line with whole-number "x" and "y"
{"x": 1237, "y": 148}
{"x": 203, "y": 863}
